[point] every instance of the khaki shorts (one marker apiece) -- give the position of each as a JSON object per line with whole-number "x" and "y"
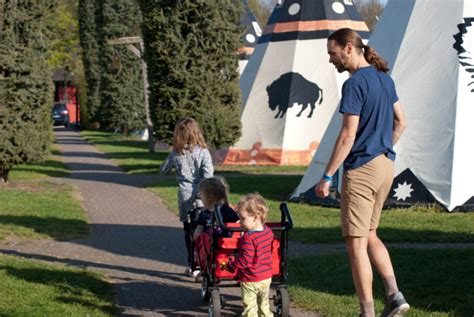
{"x": 363, "y": 194}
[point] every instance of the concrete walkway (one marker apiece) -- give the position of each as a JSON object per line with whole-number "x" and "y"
{"x": 135, "y": 240}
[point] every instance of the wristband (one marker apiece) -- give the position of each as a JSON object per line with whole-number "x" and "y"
{"x": 327, "y": 178}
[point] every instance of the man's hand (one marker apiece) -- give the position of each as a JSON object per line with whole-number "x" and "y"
{"x": 322, "y": 188}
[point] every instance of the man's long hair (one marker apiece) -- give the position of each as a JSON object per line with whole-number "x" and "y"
{"x": 346, "y": 35}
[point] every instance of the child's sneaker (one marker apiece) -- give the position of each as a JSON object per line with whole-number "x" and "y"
{"x": 189, "y": 272}
{"x": 395, "y": 305}
{"x": 195, "y": 273}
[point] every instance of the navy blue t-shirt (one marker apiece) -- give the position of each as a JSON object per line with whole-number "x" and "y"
{"x": 369, "y": 94}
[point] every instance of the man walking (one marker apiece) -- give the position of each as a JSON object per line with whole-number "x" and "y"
{"x": 373, "y": 121}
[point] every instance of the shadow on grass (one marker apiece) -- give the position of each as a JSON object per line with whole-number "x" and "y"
{"x": 388, "y": 235}
{"x": 276, "y": 187}
{"x": 431, "y": 280}
{"x": 76, "y": 288}
{"x": 49, "y": 168}
{"x": 55, "y": 228}
{"x": 172, "y": 300}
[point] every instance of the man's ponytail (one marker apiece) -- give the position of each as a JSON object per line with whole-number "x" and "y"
{"x": 374, "y": 59}
{"x": 346, "y": 35}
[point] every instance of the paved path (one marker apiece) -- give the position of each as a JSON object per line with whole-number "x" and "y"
{"x": 134, "y": 240}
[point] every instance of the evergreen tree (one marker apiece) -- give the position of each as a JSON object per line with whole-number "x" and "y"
{"x": 90, "y": 55}
{"x": 121, "y": 82}
{"x": 191, "y": 52}
{"x": 25, "y": 84}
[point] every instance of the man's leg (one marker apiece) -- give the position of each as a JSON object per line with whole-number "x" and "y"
{"x": 361, "y": 272}
{"x": 395, "y": 303}
{"x": 381, "y": 259}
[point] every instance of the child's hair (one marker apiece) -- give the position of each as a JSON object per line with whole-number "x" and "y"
{"x": 254, "y": 205}
{"x": 215, "y": 189}
{"x": 187, "y": 132}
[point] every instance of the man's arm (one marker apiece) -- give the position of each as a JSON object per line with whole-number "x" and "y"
{"x": 341, "y": 150}
{"x": 398, "y": 122}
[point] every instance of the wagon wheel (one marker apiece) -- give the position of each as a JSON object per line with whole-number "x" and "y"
{"x": 215, "y": 304}
{"x": 205, "y": 293}
{"x": 282, "y": 302}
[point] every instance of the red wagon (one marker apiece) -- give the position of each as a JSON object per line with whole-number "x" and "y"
{"x": 219, "y": 249}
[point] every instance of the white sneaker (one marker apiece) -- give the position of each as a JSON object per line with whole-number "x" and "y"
{"x": 196, "y": 273}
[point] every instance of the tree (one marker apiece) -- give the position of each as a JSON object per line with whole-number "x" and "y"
{"x": 191, "y": 52}
{"x": 65, "y": 50}
{"x": 25, "y": 84}
{"x": 90, "y": 55}
{"x": 370, "y": 10}
{"x": 121, "y": 83}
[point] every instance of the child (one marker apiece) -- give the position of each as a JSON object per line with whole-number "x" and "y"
{"x": 214, "y": 192}
{"x": 254, "y": 261}
{"x": 193, "y": 163}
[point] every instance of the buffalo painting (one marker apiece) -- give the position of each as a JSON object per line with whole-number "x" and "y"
{"x": 293, "y": 88}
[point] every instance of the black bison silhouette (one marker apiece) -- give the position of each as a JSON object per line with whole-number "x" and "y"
{"x": 293, "y": 88}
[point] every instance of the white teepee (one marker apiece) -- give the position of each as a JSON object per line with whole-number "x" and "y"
{"x": 250, "y": 36}
{"x": 289, "y": 90}
{"x": 429, "y": 44}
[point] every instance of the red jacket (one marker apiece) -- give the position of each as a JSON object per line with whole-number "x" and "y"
{"x": 254, "y": 262}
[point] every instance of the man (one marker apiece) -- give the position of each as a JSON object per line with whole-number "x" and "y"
{"x": 373, "y": 121}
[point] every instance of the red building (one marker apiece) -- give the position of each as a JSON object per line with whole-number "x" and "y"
{"x": 66, "y": 92}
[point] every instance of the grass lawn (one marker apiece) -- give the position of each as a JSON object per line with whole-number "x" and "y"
{"x": 29, "y": 288}
{"x": 321, "y": 225}
{"x": 434, "y": 282}
{"x": 41, "y": 210}
{"x": 51, "y": 167}
{"x": 312, "y": 224}
{"x": 32, "y": 207}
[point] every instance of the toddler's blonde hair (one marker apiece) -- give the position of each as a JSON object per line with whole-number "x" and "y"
{"x": 254, "y": 205}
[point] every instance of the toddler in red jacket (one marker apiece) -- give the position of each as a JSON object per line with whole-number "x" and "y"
{"x": 254, "y": 261}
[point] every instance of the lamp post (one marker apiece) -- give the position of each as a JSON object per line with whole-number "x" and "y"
{"x": 130, "y": 41}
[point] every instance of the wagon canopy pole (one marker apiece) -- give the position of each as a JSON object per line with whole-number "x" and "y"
{"x": 130, "y": 41}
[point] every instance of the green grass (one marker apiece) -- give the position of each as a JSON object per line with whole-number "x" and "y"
{"x": 321, "y": 225}
{"x": 41, "y": 210}
{"x": 28, "y": 288}
{"x": 130, "y": 153}
{"x": 435, "y": 283}
{"x": 33, "y": 207}
{"x": 313, "y": 224}
{"x": 50, "y": 168}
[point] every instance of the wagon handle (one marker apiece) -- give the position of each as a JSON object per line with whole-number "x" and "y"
{"x": 286, "y": 220}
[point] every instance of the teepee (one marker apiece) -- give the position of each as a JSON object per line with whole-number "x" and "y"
{"x": 250, "y": 36}
{"x": 289, "y": 90}
{"x": 431, "y": 56}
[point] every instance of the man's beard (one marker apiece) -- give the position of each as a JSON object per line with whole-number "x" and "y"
{"x": 341, "y": 68}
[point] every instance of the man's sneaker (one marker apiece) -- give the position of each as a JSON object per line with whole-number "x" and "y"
{"x": 395, "y": 305}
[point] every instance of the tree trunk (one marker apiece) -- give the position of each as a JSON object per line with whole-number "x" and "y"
{"x": 4, "y": 174}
